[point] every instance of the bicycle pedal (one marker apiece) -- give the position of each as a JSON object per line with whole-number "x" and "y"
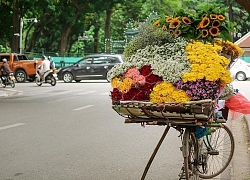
{"x": 213, "y": 152}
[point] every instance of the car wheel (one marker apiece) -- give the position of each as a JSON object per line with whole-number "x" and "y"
{"x": 241, "y": 76}
{"x": 20, "y": 76}
{"x": 67, "y": 77}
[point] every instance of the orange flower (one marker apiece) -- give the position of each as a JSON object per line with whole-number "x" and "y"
{"x": 164, "y": 27}
{"x": 214, "y": 31}
{"x": 221, "y": 17}
{"x": 168, "y": 19}
{"x": 174, "y": 23}
{"x": 157, "y": 23}
{"x": 204, "y": 33}
{"x": 205, "y": 22}
{"x": 177, "y": 32}
{"x": 216, "y": 23}
{"x": 198, "y": 26}
{"x": 204, "y": 15}
{"x": 213, "y": 16}
{"x": 186, "y": 20}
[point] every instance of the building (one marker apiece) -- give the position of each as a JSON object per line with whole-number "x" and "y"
{"x": 244, "y": 43}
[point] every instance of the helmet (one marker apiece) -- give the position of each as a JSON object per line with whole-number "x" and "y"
{"x": 43, "y": 57}
{"x": 4, "y": 60}
{"x": 49, "y": 57}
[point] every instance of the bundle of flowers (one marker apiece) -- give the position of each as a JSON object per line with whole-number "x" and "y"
{"x": 179, "y": 67}
{"x": 206, "y": 24}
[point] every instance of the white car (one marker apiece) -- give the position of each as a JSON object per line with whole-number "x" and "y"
{"x": 240, "y": 70}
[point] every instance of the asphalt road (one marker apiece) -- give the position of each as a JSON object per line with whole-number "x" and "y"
{"x": 70, "y": 132}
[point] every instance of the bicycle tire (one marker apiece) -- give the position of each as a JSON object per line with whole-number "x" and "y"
{"x": 216, "y": 151}
{"x": 190, "y": 155}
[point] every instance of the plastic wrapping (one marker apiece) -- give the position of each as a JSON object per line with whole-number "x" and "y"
{"x": 238, "y": 103}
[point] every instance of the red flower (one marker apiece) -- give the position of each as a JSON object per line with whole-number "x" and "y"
{"x": 146, "y": 70}
{"x": 139, "y": 93}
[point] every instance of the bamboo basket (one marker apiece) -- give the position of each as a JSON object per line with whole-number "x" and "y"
{"x": 189, "y": 111}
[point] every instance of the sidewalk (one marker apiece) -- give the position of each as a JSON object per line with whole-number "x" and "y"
{"x": 241, "y": 160}
{"x": 5, "y": 92}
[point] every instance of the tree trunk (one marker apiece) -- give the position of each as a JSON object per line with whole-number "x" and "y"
{"x": 245, "y": 4}
{"x": 107, "y": 30}
{"x": 96, "y": 39}
{"x": 16, "y": 27}
{"x": 64, "y": 38}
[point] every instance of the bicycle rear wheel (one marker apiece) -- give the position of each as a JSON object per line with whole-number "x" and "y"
{"x": 190, "y": 154}
{"x": 215, "y": 151}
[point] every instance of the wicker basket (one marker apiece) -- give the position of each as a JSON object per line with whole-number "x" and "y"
{"x": 201, "y": 110}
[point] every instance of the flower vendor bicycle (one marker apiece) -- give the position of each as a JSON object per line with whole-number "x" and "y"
{"x": 207, "y": 143}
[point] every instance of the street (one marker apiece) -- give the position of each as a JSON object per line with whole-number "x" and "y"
{"x": 70, "y": 131}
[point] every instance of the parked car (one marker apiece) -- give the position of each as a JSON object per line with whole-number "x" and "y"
{"x": 240, "y": 70}
{"x": 93, "y": 66}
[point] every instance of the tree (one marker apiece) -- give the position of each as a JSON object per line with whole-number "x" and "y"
{"x": 245, "y": 4}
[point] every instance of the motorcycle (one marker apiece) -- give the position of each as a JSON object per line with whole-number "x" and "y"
{"x": 50, "y": 78}
{"x": 9, "y": 80}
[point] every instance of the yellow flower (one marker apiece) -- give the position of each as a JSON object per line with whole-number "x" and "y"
{"x": 125, "y": 85}
{"x": 165, "y": 92}
{"x": 114, "y": 82}
{"x": 206, "y": 63}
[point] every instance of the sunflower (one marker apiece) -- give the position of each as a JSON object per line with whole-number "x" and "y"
{"x": 174, "y": 23}
{"x": 157, "y": 23}
{"x": 186, "y": 20}
{"x": 205, "y": 22}
{"x": 198, "y": 26}
{"x": 164, "y": 27}
{"x": 176, "y": 32}
{"x": 214, "y": 31}
{"x": 213, "y": 16}
{"x": 168, "y": 19}
{"x": 204, "y": 15}
{"x": 216, "y": 23}
{"x": 204, "y": 33}
{"x": 221, "y": 17}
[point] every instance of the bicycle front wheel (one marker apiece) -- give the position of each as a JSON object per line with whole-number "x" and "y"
{"x": 216, "y": 151}
{"x": 190, "y": 154}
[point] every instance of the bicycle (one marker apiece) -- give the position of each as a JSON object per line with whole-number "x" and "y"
{"x": 204, "y": 157}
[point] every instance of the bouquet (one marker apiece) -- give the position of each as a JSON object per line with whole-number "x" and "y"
{"x": 177, "y": 58}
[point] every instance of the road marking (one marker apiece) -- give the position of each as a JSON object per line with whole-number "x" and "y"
{"x": 105, "y": 93}
{"x": 11, "y": 126}
{"x": 61, "y": 100}
{"x": 88, "y": 92}
{"x": 84, "y": 107}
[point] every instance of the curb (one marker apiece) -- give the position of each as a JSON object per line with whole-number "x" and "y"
{"x": 247, "y": 119}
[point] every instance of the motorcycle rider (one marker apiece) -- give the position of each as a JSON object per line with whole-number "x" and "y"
{"x": 52, "y": 63}
{"x": 44, "y": 68}
{"x": 5, "y": 69}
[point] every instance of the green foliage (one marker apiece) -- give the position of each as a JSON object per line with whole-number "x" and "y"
{"x": 54, "y": 17}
